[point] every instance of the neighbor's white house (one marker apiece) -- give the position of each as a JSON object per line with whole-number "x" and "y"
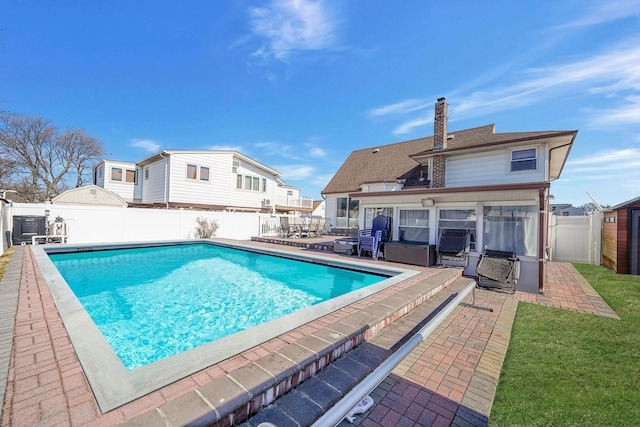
{"x": 496, "y": 185}
{"x": 225, "y": 180}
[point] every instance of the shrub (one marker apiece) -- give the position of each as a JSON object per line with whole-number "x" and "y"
{"x": 206, "y": 228}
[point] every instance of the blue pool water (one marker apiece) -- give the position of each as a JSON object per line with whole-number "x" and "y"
{"x": 151, "y": 303}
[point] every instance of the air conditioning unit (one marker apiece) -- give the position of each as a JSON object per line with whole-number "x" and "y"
{"x": 266, "y": 202}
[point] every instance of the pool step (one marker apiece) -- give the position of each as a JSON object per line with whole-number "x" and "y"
{"x": 294, "y": 380}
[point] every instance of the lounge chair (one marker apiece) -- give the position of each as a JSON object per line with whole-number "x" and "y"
{"x": 288, "y": 229}
{"x": 453, "y": 248}
{"x": 498, "y": 270}
{"x": 316, "y": 228}
{"x": 372, "y": 240}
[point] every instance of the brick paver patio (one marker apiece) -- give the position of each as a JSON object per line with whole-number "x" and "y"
{"x": 449, "y": 379}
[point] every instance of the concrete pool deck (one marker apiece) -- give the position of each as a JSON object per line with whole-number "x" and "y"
{"x": 449, "y": 374}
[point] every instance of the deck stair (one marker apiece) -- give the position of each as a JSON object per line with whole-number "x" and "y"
{"x": 303, "y": 379}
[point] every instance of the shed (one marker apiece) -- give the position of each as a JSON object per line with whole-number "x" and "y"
{"x": 621, "y": 237}
{"x": 89, "y": 195}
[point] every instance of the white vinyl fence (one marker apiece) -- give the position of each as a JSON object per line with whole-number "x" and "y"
{"x": 105, "y": 224}
{"x": 576, "y": 238}
{"x": 5, "y": 227}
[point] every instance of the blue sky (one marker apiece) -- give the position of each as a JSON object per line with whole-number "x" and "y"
{"x": 299, "y": 84}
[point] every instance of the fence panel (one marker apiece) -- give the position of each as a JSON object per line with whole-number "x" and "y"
{"x": 575, "y": 238}
{"x": 104, "y": 224}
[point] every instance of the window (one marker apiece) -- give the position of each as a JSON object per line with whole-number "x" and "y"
{"x": 250, "y": 183}
{"x": 192, "y": 172}
{"x": 610, "y": 219}
{"x": 511, "y": 228}
{"x": 204, "y": 173}
{"x": 458, "y": 219}
{"x": 413, "y": 225}
{"x": 131, "y": 176}
{"x": 116, "y": 174}
{"x": 522, "y": 160}
{"x": 196, "y": 172}
{"x": 347, "y": 213}
{"x": 370, "y": 213}
{"x": 146, "y": 173}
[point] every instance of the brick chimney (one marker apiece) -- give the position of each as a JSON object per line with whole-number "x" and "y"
{"x": 440, "y": 125}
{"x": 439, "y": 143}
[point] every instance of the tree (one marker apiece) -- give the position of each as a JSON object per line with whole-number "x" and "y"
{"x": 39, "y": 162}
{"x": 591, "y": 208}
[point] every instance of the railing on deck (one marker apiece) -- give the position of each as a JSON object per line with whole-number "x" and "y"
{"x": 294, "y": 202}
{"x": 269, "y": 226}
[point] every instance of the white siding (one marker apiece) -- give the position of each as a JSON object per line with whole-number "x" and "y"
{"x": 214, "y": 191}
{"x": 242, "y": 197}
{"x": 153, "y": 188}
{"x": 122, "y": 188}
{"x": 490, "y": 168}
{"x": 331, "y": 207}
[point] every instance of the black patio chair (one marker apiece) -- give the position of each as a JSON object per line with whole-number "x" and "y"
{"x": 498, "y": 271}
{"x": 453, "y": 248}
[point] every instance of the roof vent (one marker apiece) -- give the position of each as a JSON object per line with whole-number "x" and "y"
{"x": 450, "y": 137}
{"x": 377, "y": 150}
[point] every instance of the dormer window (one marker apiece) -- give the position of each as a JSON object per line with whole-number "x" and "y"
{"x": 522, "y": 160}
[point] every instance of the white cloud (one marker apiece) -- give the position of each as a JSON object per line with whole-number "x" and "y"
{"x": 606, "y": 166}
{"x": 410, "y": 125}
{"x": 613, "y": 74}
{"x": 604, "y": 11}
{"x": 628, "y": 113}
{"x": 293, "y": 25}
{"x": 317, "y": 152}
{"x": 225, "y": 147}
{"x": 277, "y": 149}
{"x": 295, "y": 172}
{"x": 146, "y": 144}
{"x": 617, "y": 71}
{"x": 402, "y": 107}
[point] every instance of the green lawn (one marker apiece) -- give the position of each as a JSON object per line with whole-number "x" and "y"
{"x": 564, "y": 368}
{"x": 4, "y": 260}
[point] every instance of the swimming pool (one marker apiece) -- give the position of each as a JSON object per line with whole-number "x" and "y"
{"x": 114, "y": 385}
{"x": 155, "y": 302}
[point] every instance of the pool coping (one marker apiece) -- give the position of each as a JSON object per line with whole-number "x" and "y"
{"x": 113, "y": 385}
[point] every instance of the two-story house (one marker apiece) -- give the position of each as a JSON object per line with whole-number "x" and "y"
{"x": 201, "y": 179}
{"x": 496, "y": 185}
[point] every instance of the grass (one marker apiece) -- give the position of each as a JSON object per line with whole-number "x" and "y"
{"x": 4, "y": 260}
{"x": 564, "y": 368}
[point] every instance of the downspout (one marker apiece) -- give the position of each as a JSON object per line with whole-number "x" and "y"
{"x": 341, "y": 409}
{"x": 541, "y": 240}
{"x": 166, "y": 169}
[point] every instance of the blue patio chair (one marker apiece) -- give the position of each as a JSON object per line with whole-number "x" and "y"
{"x": 372, "y": 240}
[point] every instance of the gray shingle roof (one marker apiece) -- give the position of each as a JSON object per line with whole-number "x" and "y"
{"x": 388, "y": 163}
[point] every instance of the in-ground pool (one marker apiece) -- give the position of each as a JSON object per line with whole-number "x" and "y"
{"x": 114, "y": 385}
{"x": 155, "y": 302}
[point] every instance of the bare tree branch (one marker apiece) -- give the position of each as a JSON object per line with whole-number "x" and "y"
{"x": 44, "y": 162}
